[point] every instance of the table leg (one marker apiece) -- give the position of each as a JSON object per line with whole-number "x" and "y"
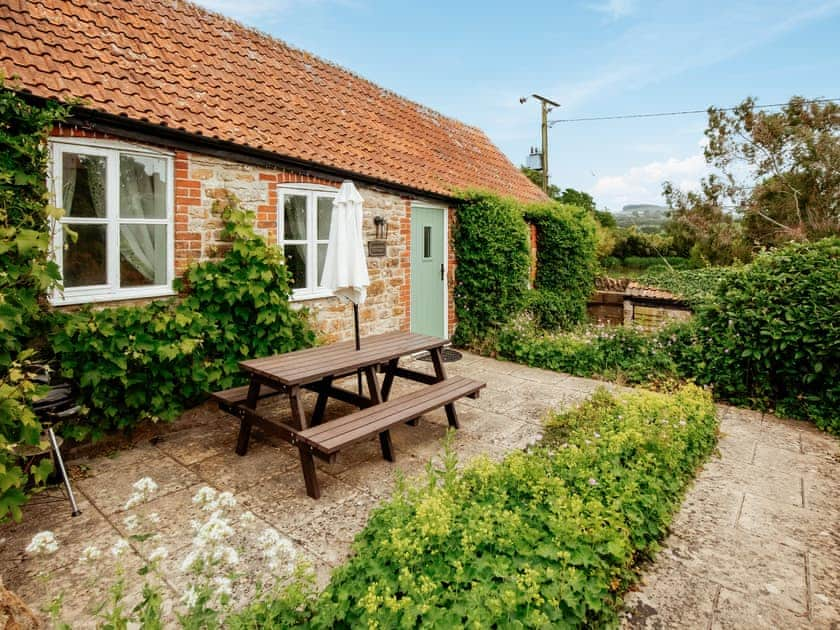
{"x": 296, "y": 403}
{"x": 440, "y": 373}
{"x": 321, "y": 404}
{"x": 307, "y": 463}
{"x": 376, "y": 397}
{"x": 389, "y": 378}
{"x": 245, "y": 422}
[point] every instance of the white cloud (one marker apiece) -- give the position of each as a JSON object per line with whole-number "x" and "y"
{"x": 615, "y": 9}
{"x": 643, "y": 184}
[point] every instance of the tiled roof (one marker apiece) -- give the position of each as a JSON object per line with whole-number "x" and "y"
{"x": 169, "y": 62}
{"x": 634, "y": 289}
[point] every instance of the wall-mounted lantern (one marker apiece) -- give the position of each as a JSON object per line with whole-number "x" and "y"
{"x": 378, "y": 246}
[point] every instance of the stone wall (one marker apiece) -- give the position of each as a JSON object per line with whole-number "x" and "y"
{"x": 200, "y": 180}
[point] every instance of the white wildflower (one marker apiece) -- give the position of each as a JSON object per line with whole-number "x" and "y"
{"x": 224, "y": 586}
{"x": 119, "y": 547}
{"x": 226, "y": 500}
{"x": 91, "y": 554}
{"x": 226, "y": 554}
{"x": 247, "y": 518}
{"x": 682, "y": 423}
{"x": 145, "y": 486}
{"x": 269, "y": 538}
{"x": 189, "y": 562}
{"x": 158, "y": 554}
{"x": 214, "y": 530}
{"x": 190, "y": 597}
{"x": 42, "y": 544}
{"x": 597, "y": 435}
{"x": 131, "y": 522}
{"x": 592, "y": 482}
{"x": 154, "y": 518}
{"x": 133, "y": 501}
{"x": 206, "y": 498}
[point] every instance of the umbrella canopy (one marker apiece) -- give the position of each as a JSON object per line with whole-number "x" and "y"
{"x": 345, "y": 266}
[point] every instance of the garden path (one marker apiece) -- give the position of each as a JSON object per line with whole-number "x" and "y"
{"x": 756, "y": 543}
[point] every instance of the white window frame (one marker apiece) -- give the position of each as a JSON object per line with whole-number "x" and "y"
{"x": 111, "y": 290}
{"x": 311, "y": 192}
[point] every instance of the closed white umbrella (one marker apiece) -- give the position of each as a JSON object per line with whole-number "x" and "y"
{"x": 345, "y": 265}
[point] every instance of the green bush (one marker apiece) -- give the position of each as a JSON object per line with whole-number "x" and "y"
{"x": 566, "y": 263}
{"x": 137, "y": 362}
{"x": 491, "y": 246}
{"x": 547, "y": 538}
{"x": 26, "y": 276}
{"x": 771, "y": 335}
{"x": 615, "y": 353}
{"x": 631, "y": 242}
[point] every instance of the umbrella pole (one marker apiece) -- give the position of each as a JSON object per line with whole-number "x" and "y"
{"x": 358, "y": 345}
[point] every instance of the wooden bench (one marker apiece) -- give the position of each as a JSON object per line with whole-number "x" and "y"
{"x": 326, "y": 440}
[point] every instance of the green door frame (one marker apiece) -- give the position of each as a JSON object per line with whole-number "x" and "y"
{"x": 444, "y": 215}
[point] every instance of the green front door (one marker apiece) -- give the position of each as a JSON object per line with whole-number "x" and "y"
{"x": 428, "y": 284}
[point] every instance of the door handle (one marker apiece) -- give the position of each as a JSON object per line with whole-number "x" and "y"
{"x": 441, "y": 272}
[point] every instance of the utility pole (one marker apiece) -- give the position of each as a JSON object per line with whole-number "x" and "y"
{"x": 547, "y": 105}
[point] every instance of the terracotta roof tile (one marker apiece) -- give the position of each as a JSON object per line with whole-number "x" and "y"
{"x": 172, "y": 63}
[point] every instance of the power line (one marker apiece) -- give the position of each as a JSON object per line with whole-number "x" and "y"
{"x": 680, "y": 113}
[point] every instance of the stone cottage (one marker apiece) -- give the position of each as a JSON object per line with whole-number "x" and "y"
{"x": 179, "y": 105}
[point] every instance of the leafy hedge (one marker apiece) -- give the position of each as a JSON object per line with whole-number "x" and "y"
{"x": 771, "y": 335}
{"x": 150, "y": 361}
{"x": 547, "y": 538}
{"x": 765, "y": 335}
{"x": 491, "y": 246}
{"x": 616, "y": 353}
{"x": 566, "y": 263}
{"x": 26, "y": 275}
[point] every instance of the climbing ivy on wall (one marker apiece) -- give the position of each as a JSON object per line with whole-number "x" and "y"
{"x": 26, "y": 275}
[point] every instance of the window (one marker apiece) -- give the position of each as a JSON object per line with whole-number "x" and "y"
{"x": 303, "y": 230}
{"x": 118, "y": 201}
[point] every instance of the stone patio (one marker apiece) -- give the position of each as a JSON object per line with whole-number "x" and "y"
{"x": 757, "y": 543}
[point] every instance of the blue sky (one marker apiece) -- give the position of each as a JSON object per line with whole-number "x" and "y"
{"x": 473, "y": 60}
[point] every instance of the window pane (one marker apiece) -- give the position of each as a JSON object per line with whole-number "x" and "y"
{"x": 427, "y": 241}
{"x": 142, "y": 255}
{"x": 296, "y": 261}
{"x": 322, "y": 256}
{"x": 294, "y": 218}
{"x": 84, "y": 260}
{"x": 83, "y": 179}
{"x": 142, "y": 187}
{"x": 325, "y": 205}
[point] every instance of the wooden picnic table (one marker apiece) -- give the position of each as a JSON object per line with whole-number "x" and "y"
{"x": 317, "y": 369}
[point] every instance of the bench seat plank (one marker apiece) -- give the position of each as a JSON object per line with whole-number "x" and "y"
{"x": 238, "y": 395}
{"x": 332, "y": 436}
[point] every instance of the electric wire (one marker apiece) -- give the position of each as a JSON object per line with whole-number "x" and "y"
{"x": 680, "y": 113}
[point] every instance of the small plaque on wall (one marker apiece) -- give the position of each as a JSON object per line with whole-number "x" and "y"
{"x": 377, "y": 248}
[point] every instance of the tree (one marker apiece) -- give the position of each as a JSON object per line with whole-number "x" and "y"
{"x": 536, "y": 176}
{"x": 779, "y": 170}
{"x": 782, "y": 168}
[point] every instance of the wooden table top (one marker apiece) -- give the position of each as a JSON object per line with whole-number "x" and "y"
{"x": 338, "y": 359}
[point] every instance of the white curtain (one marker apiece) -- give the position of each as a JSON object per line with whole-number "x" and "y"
{"x": 138, "y": 200}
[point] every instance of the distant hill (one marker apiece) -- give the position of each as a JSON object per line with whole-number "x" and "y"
{"x": 646, "y": 217}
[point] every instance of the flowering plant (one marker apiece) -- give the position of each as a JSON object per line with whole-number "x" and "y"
{"x": 213, "y": 580}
